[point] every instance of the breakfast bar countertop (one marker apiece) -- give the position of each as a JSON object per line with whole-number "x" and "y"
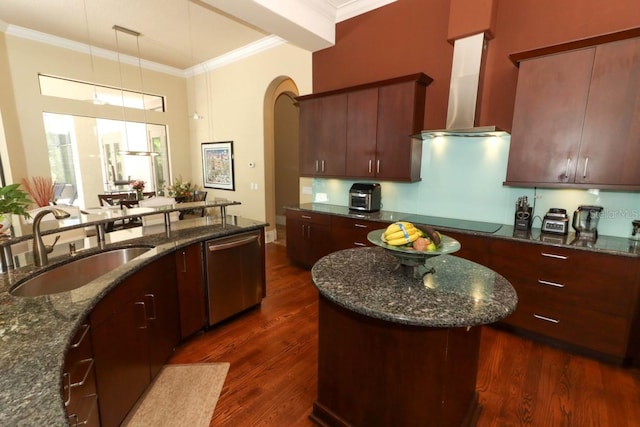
{"x": 458, "y": 293}
{"x": 36, "y": 331}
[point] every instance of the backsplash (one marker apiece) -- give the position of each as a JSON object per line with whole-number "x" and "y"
{"x": 462, "y": 178}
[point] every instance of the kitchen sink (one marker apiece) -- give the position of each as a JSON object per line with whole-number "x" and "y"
{"x": 79, "y": 272}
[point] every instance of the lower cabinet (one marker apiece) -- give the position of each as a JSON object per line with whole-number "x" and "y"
{"x": 347, "y": 233}
{"x": 79, "y": 381}
{"x": 308, "y": 237}
{"x": 191, "y": 289}
{"x": 572, "y": 297}
{"x": 134, "y": 330}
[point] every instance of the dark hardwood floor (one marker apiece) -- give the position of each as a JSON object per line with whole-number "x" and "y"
{"x": 273, "y": 355}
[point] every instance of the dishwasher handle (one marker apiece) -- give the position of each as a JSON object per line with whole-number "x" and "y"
{"x": 214, "y": 246}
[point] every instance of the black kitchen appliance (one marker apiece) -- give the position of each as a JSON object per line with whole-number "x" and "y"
{"x": 365, "y": 197}
{"x": 585, "y": 221}
{"x": 523, "y": 215}
{"x": 556, "y": 221}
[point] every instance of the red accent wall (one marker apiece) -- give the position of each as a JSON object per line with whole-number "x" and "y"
{"x": 410, "y": 36}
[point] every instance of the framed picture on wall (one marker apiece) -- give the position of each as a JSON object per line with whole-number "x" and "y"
{"x": 217, "y": 165}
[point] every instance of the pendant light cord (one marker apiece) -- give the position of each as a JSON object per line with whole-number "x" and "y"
{"x": 124, "y": 115}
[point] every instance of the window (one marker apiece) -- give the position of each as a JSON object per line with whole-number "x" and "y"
{"x": 87, "y": 155}
{"x": 81, "y": 91}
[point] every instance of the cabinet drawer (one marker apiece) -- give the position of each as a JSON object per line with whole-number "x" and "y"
{"x": 575, "y": 325}
{"x": 78, "y": 380}
{"x": 570, "y": 278}
{"x": 349, "y": 233}
{"x": 306, "y": 216}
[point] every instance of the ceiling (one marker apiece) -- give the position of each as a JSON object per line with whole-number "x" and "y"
{"x": 179, "y": 34}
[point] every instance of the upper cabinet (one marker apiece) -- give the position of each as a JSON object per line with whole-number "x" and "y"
{"x": 364, "y": 131}
{"x": 577, "y": 116}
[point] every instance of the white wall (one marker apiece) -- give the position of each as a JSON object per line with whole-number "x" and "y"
{"x": 235, "y": 112}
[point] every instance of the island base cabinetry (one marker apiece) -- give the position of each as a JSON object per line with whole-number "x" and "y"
{"x": 377, "y": 373}
{"x": 134, "y": 330}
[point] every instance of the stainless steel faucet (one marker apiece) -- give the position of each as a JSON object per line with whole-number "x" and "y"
{"x": 40, "y": 250}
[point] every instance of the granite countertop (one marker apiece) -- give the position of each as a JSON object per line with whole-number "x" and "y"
{"x": 620, "y": 246}
{"x": 458, "y": 293}
{"x": 36, "y": 331}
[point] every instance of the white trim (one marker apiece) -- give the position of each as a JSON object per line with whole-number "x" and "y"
{"x": 358, "y": 7}
{"x": 254, "y": 48}
{"x": 250, "y": 49}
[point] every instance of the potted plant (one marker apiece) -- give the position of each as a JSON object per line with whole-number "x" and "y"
{"x": 182, "y": 191}
{"x": 14, "y": 201}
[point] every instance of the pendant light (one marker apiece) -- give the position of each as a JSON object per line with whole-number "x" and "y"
{"x": 195, "y": 115}
{"x": 95, "y": 99}
{"x": 137, "y": 35}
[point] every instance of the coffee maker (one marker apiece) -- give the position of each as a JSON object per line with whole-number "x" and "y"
{"x": 585, "y": 221}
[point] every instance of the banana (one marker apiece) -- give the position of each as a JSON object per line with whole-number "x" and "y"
{"x": 404, "y": 239}
{"x": 401, "y": 233}
{"x": 398, "y": 226}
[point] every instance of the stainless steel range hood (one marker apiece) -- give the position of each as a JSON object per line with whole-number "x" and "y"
{"x": 466, "y": 70}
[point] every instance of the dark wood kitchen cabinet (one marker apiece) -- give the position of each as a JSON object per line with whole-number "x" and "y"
{"x": 347, "y": 233}
{"x": 191, "y": 289}
{"x": 364, "y": 131}
{"x": 380, "y": 122}
{"x": 79, "y": 381}
{"x": 323, "y": 133}
{"x": 575, "y": 298}
{"x": 308, "y": 236}
{"x": 577, "y": 117}
{"x": 134, "y": 330}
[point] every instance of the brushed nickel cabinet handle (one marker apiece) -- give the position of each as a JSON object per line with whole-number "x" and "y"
{"x": 317, "y": 166}
{"x": 359, "y": 244}
{"x": 548, "y": 255}
{"x": 370, "y": 165}
{"x": 322, "y": 165}
{"x": 586, "y": 164}
{"x": 360, "y": 226}
{"x": 305, "y": 217}
{"x": 377, "y": 166}
{"x": 152, "y": 302}
{"x": 546, "y": 319}
{"x": 81, "y": 338}
{"x": 546, "y": 282}
{"x": 144, "y": 314}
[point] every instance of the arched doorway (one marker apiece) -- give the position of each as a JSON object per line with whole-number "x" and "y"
{"x": 282, "y": 177}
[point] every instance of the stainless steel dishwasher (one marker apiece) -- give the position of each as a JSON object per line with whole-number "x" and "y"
{"x": 235, "y": 274}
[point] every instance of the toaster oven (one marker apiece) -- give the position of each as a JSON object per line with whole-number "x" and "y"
{"x": 365, "y": 197}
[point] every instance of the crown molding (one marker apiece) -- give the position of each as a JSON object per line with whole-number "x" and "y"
{"x": 254, "y": 48}
{"x": 358, "y": 7}
{"x": 251, "y": 49}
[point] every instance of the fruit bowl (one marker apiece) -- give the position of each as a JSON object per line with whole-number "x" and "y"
{"x": 410, "y": 257}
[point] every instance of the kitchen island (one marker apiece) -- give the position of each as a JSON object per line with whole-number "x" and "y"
{"x": 399, "y": 350}
{"x": 37, "y": 332}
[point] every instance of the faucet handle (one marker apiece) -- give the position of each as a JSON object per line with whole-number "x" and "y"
{"x": 49, "y": 248}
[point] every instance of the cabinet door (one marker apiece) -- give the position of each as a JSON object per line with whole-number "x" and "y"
{"x": 610, "y": 149}
{"x": 191, "y": 289}
{"x": 400, "y": 115}
{"x": 163, "y": 318}
{"x": 323, "y": 133}
{"x": 548, "y": 117}
{"x": 308, "y": 237}
{"x": 121, "y": 362}
{"x": 362, "y": 120}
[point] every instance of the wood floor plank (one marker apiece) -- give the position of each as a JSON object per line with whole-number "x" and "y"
{"x": 272, "y": 379}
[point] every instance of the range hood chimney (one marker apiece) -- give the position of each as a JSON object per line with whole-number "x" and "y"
{"x": 466, "y": 70}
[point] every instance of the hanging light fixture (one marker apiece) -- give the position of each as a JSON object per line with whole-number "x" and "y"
{"x": 195, "y": 115}
{"x": 137, "y": 35}
{"x": 95, "y": 99}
